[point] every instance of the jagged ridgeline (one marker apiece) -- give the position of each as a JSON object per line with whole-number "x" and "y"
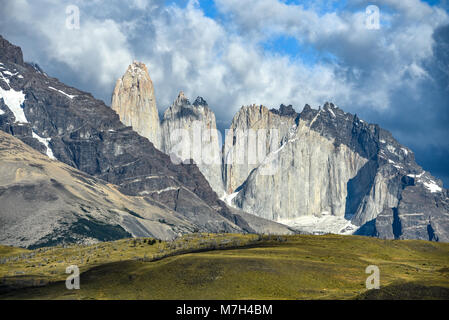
{"x": 316, "y": 171}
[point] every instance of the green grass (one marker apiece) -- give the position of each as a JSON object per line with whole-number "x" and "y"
{"x": 291, "y": 267}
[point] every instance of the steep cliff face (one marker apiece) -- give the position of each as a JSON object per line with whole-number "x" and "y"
{"x": 255, "y": 131}
{"x": 189, "y": 131}
{"x": 419, "y": 210}
{"x": 310, "y": 179}
{"x": 134, "y": 101}
{"x": 336, "y": 173}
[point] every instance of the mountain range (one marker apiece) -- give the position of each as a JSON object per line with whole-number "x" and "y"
{"x": 76, "y": 170}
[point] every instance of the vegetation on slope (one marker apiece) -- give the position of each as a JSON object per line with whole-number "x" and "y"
{"x": 253, "y": 267}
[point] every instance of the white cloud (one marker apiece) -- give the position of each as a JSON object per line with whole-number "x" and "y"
{"x": 223, "y": 61}
{"x": 203, "y": 57}
{"x": 97, "y": 50}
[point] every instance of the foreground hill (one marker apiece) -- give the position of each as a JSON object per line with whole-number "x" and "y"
{"x": 45, "y": 202}
{"x": 253, "y": 267}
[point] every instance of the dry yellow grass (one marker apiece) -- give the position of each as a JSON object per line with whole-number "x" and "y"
{"x": 289, "y": 267}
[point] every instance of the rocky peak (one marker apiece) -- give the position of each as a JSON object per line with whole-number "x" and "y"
{"x": 138, "y": 68}
{"x": 190, "y": 132}
{"x": 286, "y": 111}
{"x": 247, "y": 116}
{"x": 135, "y": 102}
{"x": 199, "y": 101}
{"x": 10, "y": 52}
{"x": 37, "y": 67}
{"x": 306, "y": 108}
{"x": 181, "y": 100}
{"x": 180, "y": 108}
{"x": 307, "y": 113}
{"x": 329, "y": 105}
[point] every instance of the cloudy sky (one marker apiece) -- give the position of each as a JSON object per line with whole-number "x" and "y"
{"x": 239, "y": 52}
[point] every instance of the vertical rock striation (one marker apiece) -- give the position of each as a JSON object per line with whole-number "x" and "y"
{"x": 134, "y": 101}
{"x": 255, "y": 132}
{"x": 189, "y": 131}
{"x": 311, "y": 176}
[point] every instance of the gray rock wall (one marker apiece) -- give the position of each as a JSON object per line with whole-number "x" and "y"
{"x": 189, "y": 132}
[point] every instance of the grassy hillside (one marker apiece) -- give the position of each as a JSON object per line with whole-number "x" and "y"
{"x": 253, "y": 267}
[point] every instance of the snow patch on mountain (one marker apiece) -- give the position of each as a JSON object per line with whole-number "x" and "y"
{"x": 227, "y": 198}
{"x": 2, "y": 77}
{"x": 391, "y": 148}
{"x": 426, "y": 181}
{"x": 45, "y": 142}
{"x": 62, "y": 92}
{"x": 432, "y": 187}
{"x": 320, "y": 225}
{"x": 14, "y": 100}
{"x": 8, "y": 73}
{"x": 146, "y": 192}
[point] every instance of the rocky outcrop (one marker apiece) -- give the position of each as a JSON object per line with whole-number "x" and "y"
{"x": 134, "y": 101}
{"x": 255, "y": 131}
{"x": 10, "y": 52}
{"x": 421, "y": 212}
{"x": 189, "y": 132}
{"x": 333, "y": 167}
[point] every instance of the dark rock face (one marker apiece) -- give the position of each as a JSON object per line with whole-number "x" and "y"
{"x": 419, "y": 215}
{"x": 423, "y": 215}
{"x": 333, "y": 123}
{"x": 286, "y": 111}
{"x": 10, "y": 52}
{"x": 86, "y": 134}
{"x": 199, "y": 101}
{"x": 418, "y": 208}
